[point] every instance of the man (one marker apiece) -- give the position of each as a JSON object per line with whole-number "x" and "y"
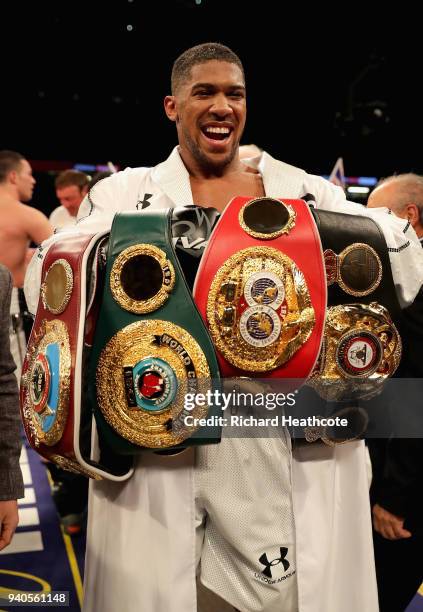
{"x": 403, "y": 194}
{"x": 11, "y": 483}
{"x": 397, "y": 463}
{"x": 19, "y": 224}
{"x": 242, "y": 494}
{"x": 71, "y": 189}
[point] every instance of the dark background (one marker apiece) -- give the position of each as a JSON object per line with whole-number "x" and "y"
{"x": 78, "y": 86}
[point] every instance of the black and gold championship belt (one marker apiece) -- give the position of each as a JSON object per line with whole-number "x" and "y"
{"x": 361, "y": 346}
{"x": 57, "y": 422}
{"x": 151, "y": 348}
{"x": 261, "y": 289}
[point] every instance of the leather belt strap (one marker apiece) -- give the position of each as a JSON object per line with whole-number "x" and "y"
{"x": 361, "y": 270}
{"x": 262, "y": 290}
{"x": 57, "y": 423}
{"x": 150, "y": 345}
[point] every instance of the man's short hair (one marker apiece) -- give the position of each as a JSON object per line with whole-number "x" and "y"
{"x": 72, "y": 177}
{"x": 9, "y": 161}
{"x": 410, "y": 190}
{"x": 200, "y": 54}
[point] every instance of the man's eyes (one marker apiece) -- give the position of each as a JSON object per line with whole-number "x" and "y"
{"x": 234, "y": 95}
{"x": 203, "y": 92}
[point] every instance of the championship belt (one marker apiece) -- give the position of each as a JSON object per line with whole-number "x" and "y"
{"x": 57, "y": 424}
{"x": 151, "y": 347}
{"x": 361, "y": 345}
{"x": 261, "y": 288}
{"x": 356, "y": 260}
{"x": 361, "y": 349}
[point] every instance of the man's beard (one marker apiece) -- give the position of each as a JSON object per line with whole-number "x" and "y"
{"x": 206, "y": 163}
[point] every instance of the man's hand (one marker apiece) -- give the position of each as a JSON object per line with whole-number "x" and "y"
{"x": 8, "y": 521}
{"x": 388, "y": 525}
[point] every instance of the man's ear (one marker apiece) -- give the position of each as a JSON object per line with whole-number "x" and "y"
{"x": 170, "y": 108}
{"x": 412, "y": 214}
{"x": 13, "y": 177}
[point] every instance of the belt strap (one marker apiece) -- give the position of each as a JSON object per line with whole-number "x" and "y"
{"x": 150, "y": 344}
{"x": 262, "y": 290}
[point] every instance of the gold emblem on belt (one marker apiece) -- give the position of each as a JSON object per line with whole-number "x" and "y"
{"x": 259, "y": 309}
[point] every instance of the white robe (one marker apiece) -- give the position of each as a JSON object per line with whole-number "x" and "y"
{"x": 141, "y": 548}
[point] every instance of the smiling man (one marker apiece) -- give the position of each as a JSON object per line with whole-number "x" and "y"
{"x": 271, "y": 529}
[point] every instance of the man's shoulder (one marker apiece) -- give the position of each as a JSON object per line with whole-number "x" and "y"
{"x": 124, "y": 181}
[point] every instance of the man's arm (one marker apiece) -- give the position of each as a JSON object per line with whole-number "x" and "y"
{"x": 11, "y": 483}
{"x": 37, "y": 225}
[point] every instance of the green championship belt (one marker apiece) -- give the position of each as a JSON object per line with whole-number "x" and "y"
{"x": 151, "y": 349}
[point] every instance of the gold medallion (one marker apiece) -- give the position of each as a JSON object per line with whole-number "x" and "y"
{"x": 56, "y": 290}
{"x": 361, "y": 349}
{"x": 143, "y": 376}
{"x": 266, "y": 218}
{"x": 47, "y": 382}
{"x": 141, "y": 278}
{"x": 357, "y": 269}
{"x": 259, "y": 309}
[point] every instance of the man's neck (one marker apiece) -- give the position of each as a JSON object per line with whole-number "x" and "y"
{"x": 8, "y": 194}
{"x": 418, "y": 228}
{"x": 197, "y": 171}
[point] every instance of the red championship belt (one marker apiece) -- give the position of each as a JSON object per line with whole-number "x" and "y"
{"x": 261, "y": 288}
{"x": 52, "y": 371}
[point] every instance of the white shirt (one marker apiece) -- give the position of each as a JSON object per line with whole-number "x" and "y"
{"x": 60, "y": 218}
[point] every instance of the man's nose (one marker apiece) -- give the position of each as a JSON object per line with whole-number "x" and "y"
{"x": 221, "y": 106}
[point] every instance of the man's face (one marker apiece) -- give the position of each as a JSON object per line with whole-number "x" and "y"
{"x": 388, "y": 195}
{"x": 210, "y": 111}
{"x": 25, "y": 181}
{"x": 70, "y": 197}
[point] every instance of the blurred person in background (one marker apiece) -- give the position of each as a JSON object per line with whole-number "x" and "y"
{"x": 398, "y": 462}
{"x": 19, "y": 226}
{"x": 403, "y": 194}
{"x": 71, "y": 188}
{"x": 11, "y": 482}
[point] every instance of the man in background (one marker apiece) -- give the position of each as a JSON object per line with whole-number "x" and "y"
{"x": 398, "y": 463}
{"x": 19, "y": 226}
{"x": 71, "y": 188}
{"x": 403, "y": 194}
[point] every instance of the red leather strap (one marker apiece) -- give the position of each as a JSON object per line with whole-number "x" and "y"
{"x": 302, "y": 245}
{"x": 72, "y": 251}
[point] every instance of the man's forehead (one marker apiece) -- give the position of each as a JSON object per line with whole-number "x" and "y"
{"x": 68, "y": 188}
{"x": 25, "y": 166}
{"x": 214, "y": 71}
{"x": 383, "y": 193}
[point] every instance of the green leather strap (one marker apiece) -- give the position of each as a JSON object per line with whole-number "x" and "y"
{"x": 128, "y": 230}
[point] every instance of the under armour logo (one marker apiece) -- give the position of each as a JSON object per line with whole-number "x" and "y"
{"x": 141, "y": 204}
{"x": 268, "y": 564}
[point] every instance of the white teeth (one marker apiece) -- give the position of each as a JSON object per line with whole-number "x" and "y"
{"x": 218, "y": 130}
